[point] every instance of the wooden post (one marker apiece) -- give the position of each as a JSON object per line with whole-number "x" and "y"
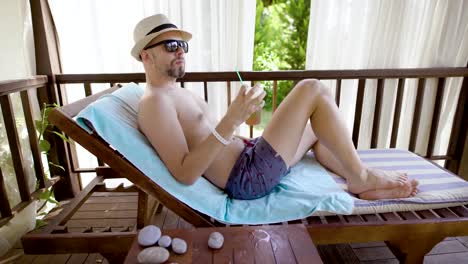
{"x": 459, "y": 133}
{"x": 48, "y": 63}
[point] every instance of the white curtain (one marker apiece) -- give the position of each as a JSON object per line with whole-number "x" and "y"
{"x": 17, "y": 62}
{"x": 365, "y": 34}
{"x": 97, "y": 36}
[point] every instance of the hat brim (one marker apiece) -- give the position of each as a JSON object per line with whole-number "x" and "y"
{"x": 138, "y": 47}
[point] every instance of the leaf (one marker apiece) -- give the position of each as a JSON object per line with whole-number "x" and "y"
{"x": 38, "y": 125}
{"x": 40, "y": 223}
{"x": 44, "y": 145}
{"x": 62, "y": 136}
{"x": 52, "y": 200}
{"x": 45, "y": 195}
{"x": 56, "y": 165}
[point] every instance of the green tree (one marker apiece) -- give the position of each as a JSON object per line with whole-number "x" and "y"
{"x": 281, "y": 29}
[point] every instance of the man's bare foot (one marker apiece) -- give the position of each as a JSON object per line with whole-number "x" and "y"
{"x": 373, "y": 179}
{"x": 409, "y": 189}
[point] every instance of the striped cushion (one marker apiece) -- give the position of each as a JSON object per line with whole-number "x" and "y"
{"x": 438, "y": 187}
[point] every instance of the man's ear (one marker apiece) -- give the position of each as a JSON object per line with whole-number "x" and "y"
{"x": 144, "y": 55}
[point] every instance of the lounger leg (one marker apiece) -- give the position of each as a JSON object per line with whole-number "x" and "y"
{"x": 147, "y": 205}
{"x": 413, "y": 250}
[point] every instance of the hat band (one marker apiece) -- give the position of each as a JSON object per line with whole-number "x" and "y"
{"x": 161, "y": 27}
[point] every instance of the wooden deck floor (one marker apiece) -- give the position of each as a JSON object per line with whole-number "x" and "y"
{"x": 117, "y": 210}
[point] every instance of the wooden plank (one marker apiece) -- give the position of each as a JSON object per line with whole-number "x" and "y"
{"x": 353, "y": 218}
{"x": 314, "y": 220}
{"x": 273, "y": 75}
{"x": 13, "y": 86}
{"x": 338, "y": 92}
{"x": 460, "y": 210}
{"x": 459, "y": 130}
{"x": 228, "y": 93}
{"x": 104, "y": 214}
{"x": 77, "y": 258}
{"x": 13, "y": 141}
{"x": 201, "y": 252}
{"x": 205, "y": 91}
{"x": 333, "y": 219}
{"x": 445, "y": 213}
{"x": 72, "y": 206}
{"x": 377, "y": 113}
{"x": 436, "y": 116}
{"x": 108, "y": 206}
{"x": 298, "y": 239}
{"x": 358, "y": 111}
{"x": 427, "y": 214}
{"x": 142, "y": 208}
{"x": 407, "y": 215}
{"x": 95, "y": 258}
{"x": 417, "y": 113}
{"x": 397, "y": 112}
{"x": 87, "y": 89}
{"x": 390, "y": 216}
{"x": 32, "y": 135}
{"x": 119, "y": 222}
{"x": 113, "y": 194}
{"x": 116, "y": 199}
{"x": 371, "y": 218}
{"x": 5, "y": 209}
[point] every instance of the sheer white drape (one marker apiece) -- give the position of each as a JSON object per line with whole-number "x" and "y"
{"x": 364, "y": 34}
{"x": 17, "y": 61}
{"x": 97, "y": 36}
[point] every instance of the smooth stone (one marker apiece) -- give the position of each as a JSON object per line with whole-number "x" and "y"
{"x": 179, "y": 246}
{"x": 215, "y": 240}
{"x": 165, "y": 241}
{"x": 149, "y": 235}
{"x": 153, "y": 255}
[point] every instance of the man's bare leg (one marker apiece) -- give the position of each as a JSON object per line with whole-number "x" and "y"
{"x": 310, "y": 100}
{"x": 326, "y": 158}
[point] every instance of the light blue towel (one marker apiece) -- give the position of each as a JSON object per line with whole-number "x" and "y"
{"x": 307, "y": 189}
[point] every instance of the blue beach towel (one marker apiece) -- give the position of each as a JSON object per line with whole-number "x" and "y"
{"x": 307, "y": 189}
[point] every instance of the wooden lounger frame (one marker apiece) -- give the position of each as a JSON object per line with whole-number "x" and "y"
{"x": 410, "y": 235}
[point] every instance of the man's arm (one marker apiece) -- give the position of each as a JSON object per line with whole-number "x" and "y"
{"x": 158, "y": 120}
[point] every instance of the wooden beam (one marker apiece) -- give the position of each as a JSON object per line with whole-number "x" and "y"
{"x": 47, "y": 53}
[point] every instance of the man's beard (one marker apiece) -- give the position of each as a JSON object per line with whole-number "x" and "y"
{"x": 176, "y": 71}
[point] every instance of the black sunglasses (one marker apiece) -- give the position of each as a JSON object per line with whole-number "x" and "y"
{"x": 171, "y": 45}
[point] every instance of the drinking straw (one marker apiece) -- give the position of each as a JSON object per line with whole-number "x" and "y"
{"x": 240, "y": 78}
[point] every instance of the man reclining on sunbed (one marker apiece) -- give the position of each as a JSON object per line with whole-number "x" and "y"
{"x": 191, "y": 143}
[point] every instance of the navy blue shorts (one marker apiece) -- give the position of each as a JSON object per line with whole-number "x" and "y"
{"x": 256, "y": 172}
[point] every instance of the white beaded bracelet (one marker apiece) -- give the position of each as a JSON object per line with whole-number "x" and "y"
{"x": 220, "y": 138}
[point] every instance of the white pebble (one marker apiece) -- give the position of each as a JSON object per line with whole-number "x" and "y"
{"x": 149, "y": 235}
{"x": 179, "y": 245}
{"x": 153, "y": 255}
{"x": 216, "y": 240}
{"x": 165, "y": 241}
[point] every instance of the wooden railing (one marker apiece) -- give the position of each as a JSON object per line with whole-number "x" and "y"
{"x": 458, "y": 132}
{"x": 453, "y": 155}
{"x": 24, "y": 87}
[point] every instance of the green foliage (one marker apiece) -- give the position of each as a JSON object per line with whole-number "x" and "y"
{"x": 281, "y": 29}
{"x": 43, "y": 126}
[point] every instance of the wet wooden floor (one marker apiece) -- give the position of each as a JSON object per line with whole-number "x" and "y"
{"x": 117, "y": 210}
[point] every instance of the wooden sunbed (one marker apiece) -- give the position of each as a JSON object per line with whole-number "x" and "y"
{"x": 410, "y": 235}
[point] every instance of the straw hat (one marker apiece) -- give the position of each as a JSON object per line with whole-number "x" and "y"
{"x": 151, "y": 27}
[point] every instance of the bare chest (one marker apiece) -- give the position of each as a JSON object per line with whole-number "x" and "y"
{"x": 194, "y": 119}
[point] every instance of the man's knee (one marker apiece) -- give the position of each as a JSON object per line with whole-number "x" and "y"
{"x": 312, "y": 88}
